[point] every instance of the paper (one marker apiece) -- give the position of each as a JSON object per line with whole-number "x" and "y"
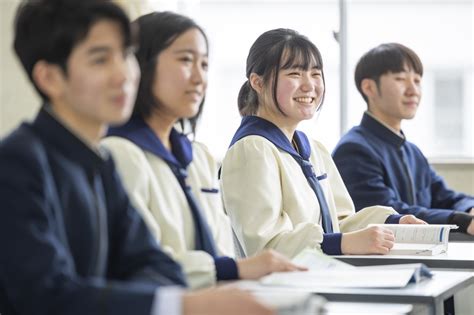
{"x": 419, "y": 239}
{"x": 325, "y": 271}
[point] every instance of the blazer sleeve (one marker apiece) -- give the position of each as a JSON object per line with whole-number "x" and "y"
{"x": 251, "y": 189}
{"x": 363, "y": 175}
{"x": 37, "y": 270}
{"x": 445, "y": 198}
{"x": 136, "y": 175}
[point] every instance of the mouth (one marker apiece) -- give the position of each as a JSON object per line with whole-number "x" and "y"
{"x": 304, "y": 100}
{"x": 120, "y": 99}
{"x": 411, "y": 103}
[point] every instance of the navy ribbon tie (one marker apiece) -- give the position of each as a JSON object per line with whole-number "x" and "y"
{"x": 203, "y": 237}
{"x": 313, "y": 181}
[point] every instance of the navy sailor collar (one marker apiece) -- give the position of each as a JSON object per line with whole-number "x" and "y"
{"x": 379, "y": 130}
{"x": 253, "y": 125}
{"x": 137, "y": 131}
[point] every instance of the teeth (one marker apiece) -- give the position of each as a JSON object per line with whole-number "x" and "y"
{"x": 304, "y": 99}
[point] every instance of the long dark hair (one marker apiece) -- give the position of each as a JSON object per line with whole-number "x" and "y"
{"x": 158, "y": 30}
{"x": 274, "y": 50}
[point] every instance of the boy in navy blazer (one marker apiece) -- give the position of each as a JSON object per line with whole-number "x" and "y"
{"x": 377, "y": 163}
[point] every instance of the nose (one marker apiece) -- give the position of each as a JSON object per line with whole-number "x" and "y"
{"x": 412, "y": 87}
{"x": 199, "y": 74}
{"x": 307, "y": 83}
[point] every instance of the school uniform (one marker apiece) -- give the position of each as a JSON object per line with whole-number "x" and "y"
{"x": 71, "y": 242}
{"x": 379, "y": 166}
{"x": 161, "y": 185}
{"x": 267, "y": 188}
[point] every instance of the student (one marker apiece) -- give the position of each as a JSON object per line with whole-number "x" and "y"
{"x": 172, "y": 180}
{"x": 377, "y": 163}
{"x": 281, "y": 190}
{"x": 71, "y": 243}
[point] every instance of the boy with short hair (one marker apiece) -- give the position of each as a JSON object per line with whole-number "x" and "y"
{"x": 378, "y": 165}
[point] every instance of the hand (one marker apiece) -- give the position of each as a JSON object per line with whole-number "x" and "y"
{"x": 223, "y": 301}
{"x": 470, "y": 228}
{"x": 411, "y": 219}
{"x": 371, "y": 240}
{"x": 267, "y": 262}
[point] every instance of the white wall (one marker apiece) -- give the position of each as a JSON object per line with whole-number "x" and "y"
{"x": 18, "y": 100}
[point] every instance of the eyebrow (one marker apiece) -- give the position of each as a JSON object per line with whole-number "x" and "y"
{"x": 301, "y": 67}
{"x": 98, "y": 49}
{"x": 190, "y": 51}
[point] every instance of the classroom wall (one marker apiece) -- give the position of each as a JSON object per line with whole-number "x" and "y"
{"x": 18, "y": 100}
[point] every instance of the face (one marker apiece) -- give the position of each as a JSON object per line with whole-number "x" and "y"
{"x": 299, "y": 93}
{"x": 101, "y": 81}
{"x": 181, "y": 76}
{"x": 397, "y": 97}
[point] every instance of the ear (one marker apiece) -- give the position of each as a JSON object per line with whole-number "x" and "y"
{"x": 49, "y": 78}
{"x": 369, "y": 88}
{"x": 256, "y": 82}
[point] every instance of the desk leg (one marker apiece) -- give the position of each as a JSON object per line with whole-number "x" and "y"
{"x": 464, "y": 302}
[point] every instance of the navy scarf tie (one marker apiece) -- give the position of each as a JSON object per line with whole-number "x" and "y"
{"x": 203, "y": 237}
{"x": 313, "y": 182}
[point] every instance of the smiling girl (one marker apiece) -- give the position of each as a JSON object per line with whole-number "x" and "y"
{"x": 280, "y": 189}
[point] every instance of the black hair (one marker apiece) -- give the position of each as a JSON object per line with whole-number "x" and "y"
{"x": 385, "y": 58}
{"x": 50, "y": 29}
{"x": 158, "y": 30}
{"x": 274, "y": 50}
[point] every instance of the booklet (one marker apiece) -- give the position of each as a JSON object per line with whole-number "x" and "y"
{"x": 419, "y": 239}
{"x": 325, "y": 271}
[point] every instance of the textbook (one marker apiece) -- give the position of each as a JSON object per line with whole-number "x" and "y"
{"x": 325, "y": 271}
{"x": 419, "y": 239}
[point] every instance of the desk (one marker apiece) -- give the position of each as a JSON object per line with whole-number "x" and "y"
{"x": 431, "y": 292}
{"x": 344, "y": 308}
{"x": 460, "y": 256}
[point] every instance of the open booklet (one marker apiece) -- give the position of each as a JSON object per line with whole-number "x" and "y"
{"x": 419, "y": 239}
{"x": 325, "y": 271}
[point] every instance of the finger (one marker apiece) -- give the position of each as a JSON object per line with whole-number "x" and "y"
{"x": 388, "y": 244}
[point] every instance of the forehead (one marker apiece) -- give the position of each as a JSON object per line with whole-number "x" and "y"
{"x": 299, "y": 57}
{"x": 192, "y": 41}
{"x": 104, "y": 34}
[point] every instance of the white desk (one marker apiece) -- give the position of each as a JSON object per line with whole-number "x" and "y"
{"x": 460, "y": 256}
{"x": 345, "y": 308}
{"x": 431, "y": 292}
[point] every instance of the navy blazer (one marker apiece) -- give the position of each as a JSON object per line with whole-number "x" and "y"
{"x": 380, "y": 167}
{"x": 59, "y": 253}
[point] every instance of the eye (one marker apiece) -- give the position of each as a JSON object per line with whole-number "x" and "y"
{"x": 205, "y": 65}
{"x": 99, "y": 60}
{"x": 316, "y": 74}
{"x": 186, "y": 59}
{"x": 294, "y": 73}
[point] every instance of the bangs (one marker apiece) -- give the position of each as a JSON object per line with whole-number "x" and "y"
{"x": 301, "y": 54}
{"x": 398, "y": 60}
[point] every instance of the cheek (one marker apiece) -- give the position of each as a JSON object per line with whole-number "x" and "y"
{"x": 285, "y": 92}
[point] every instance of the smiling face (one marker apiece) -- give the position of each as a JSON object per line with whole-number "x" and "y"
{"x": 396, "y": 97}
{"x": 181, "y": 76}
{"x": 299, "y": 92}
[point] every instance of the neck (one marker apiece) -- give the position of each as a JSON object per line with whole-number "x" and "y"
{"x": 90, "y": 131}
{"x": 288, "y": 128}
{"x": 394, "y": 123}
{"x": 161, "y": 126}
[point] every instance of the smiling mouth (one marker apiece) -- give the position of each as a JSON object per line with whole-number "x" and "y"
{"x": 304, "y": 100}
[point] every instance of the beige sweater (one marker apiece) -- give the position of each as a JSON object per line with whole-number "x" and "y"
{"x": 156, "y": 193}
{"x": 271, "y": 204}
